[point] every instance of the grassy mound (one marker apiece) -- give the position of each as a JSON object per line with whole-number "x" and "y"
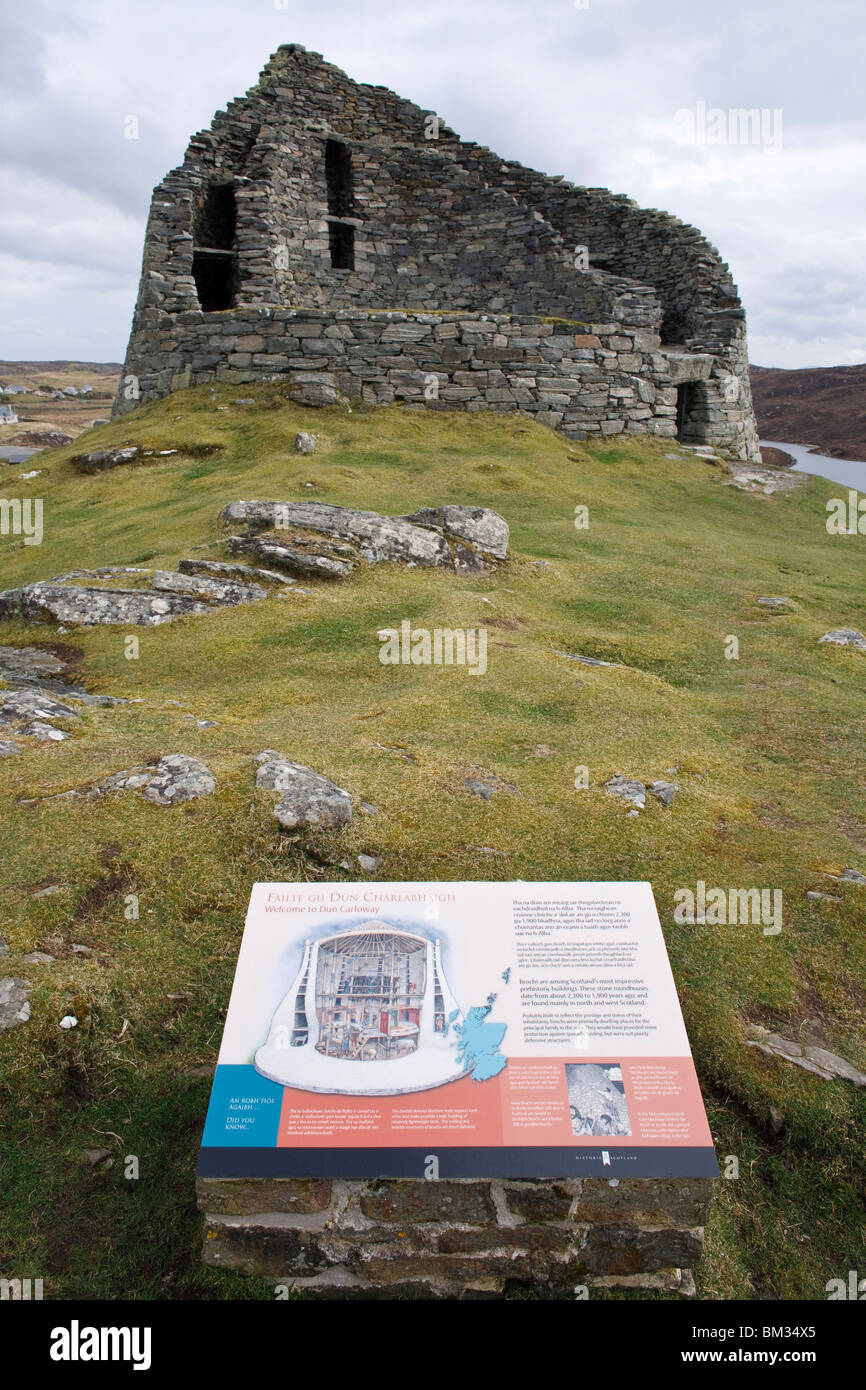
{"x": 767, "y": 749}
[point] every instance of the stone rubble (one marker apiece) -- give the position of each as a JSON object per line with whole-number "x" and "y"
{"x": 629, "y": 790}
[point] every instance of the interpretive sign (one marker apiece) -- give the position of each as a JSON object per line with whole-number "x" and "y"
{"x": 476, "y": 1030}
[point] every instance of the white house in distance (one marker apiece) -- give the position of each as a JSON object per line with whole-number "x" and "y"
{"x": 7, "y": 415}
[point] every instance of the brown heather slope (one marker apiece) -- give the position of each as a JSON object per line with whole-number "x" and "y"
{"x": 824, "y": 407}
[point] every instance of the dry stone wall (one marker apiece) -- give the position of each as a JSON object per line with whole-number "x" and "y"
{"x": 587, "y": 384}
{"x": 316, "y": 193}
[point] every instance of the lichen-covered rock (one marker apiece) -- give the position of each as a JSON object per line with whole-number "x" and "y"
{"x": 8, "y": 748}
{"x": 44, "y": 733}
{"x": 379, "y": 538}
{"x": 32, "y": 704}
{"x": 225, "y": 592}
{"x": 174, "y": 779}
{"x": 305, "y": 443}
{"x": 845, "y": 637}
{"x": 91, "y": 607}
{"x": 14, "y": 1004}
{"x": 306, "y": 797}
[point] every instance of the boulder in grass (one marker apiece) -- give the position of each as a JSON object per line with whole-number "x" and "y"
{"x": 775, "y": 603}
{"x": 14, "y": 1004}
{"x": 305, "y": 443}
{"x": 664, "y": 791}
{"x": 174, "y": 779}
{"x": 628, "y": 790}
{"x": 80, "y": 606}
{"x": 845, "y": 637}
{"x": 307, "y": 798}
{"x": 101, "y": 460}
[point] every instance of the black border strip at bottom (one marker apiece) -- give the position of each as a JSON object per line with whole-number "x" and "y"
{"x": 620, "y": 1162}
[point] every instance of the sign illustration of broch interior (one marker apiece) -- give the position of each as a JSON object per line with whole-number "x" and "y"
{"x": 370, "y": 1012}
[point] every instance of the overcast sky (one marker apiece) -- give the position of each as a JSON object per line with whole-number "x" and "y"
{"x": 592, "y": 89}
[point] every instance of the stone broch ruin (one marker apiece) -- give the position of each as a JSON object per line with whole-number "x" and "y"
{"x": 336, "y": 236}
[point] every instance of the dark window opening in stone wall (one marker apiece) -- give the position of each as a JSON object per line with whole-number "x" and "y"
{"x": 214, "y": 275}
{"x": 338, "y": 177}
{"x": 216, "y": 218}
{"x": 692, "y": 412}
{"x": 341, "y": 238}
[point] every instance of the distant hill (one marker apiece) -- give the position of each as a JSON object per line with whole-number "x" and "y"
{"x": 824, "y": 407}
{"x": 60, "y": 373}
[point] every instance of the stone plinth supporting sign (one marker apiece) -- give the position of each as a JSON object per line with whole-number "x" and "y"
{"x": 467, "y": 1238}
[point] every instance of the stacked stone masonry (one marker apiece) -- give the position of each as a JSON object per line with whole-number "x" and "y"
{"x": 337, "y": 235}
{"x": 457, "y": 1239}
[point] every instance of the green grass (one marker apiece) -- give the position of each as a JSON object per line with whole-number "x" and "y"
{"x": 768, "y": 749}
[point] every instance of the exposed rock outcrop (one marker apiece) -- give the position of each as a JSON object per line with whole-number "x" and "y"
{"x": 316, "y": 538}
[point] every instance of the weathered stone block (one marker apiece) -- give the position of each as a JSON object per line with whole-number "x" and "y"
{"x": 263, "y": 1245}
{"x": 249, "y": 1196}
{"x": 540, "y": 1201}
{"x": 417, "y": 1200}
{"x": 646, "y": 1201}
{"x": 611, "y": 1249}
